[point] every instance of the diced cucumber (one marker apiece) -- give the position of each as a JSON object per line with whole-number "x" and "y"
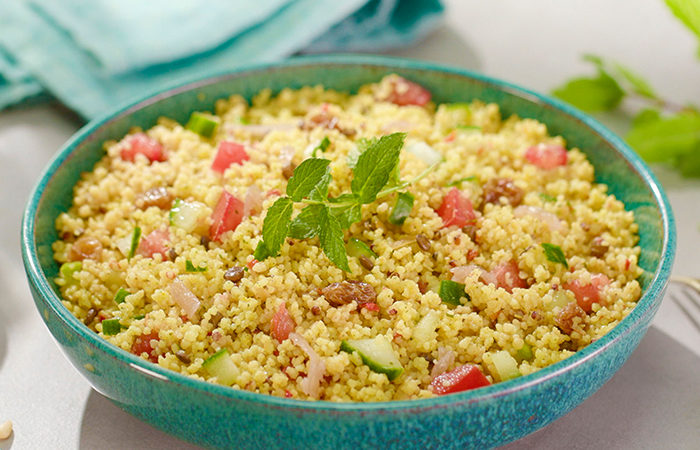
{"x": 560, "y": 299}
{"x": 221, "y": 366}
{"x": 110, "y": 327}
{"x": 425, "y": 328}
{"x": 402, "y": 208}
{"x": 68, "y": 269}
{"x": 451, "y": 292}
{"x": 357, "y": 248}
{"x": 424, "y": 152}
{"x": 377, "y": 353}
{"x": 506, "y": 366}
{"x": 186, "y": 215}
{"x": 203, "y": 124}
{"x": 135, "y": 238}
{"x": 121, "y": 295}
{"x": 525, "y": 352}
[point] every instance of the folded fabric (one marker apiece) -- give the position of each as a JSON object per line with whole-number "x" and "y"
{"x": 93, "y": 55}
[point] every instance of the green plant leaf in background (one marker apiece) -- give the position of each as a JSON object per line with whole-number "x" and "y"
{"x": 664, "y": 139}
{"x": 636, "y": 82}
{"x": 601, "y": 93}
{"x": 688, "y": 12}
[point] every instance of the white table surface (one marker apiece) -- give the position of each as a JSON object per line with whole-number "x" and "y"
{"x": 653, "y": 402}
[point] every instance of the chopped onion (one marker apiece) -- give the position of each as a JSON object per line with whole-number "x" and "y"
{"x": 184, "y": 298}
{"x": 317, "y": 368}
{"x": 397, "y": 125}
{"x": 260, "y": 130}
{"x": 424, "y": 152}
{"x": 446, "y": 358}
{"x": 252, "y": 204}
{"x": 286, "y": 155}
{"x": 549, "y": 219}
{"x": 124, "y": 245}
{"x": 460, "y": 273}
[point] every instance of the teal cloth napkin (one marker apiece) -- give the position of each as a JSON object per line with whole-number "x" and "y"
{"x": 93, "y": 55}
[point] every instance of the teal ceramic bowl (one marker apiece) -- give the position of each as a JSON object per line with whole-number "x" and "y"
{"x": 217, "y": 416}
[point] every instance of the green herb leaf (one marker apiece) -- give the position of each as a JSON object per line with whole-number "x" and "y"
{"x": 375, "y": 165}
{"x": 451, "y": 292}
{"x": 361, "y": 145}
{"x": 547, "y": 198}
{"x": 602, "y": 93}
{"x": 357, "y": 248}
{"x": 331, "y": 237}
{"x": 305, "y": 224}
{"x": 189, "y": 267}
{"x": 668, "y": 138}
{"x": 457, "y": 183}
{"x": 139, "y": 317}
{"x": 554, "y": 254}
{"x": 347, "y": 215}
{"x": 323, "y": 146}
{"x": 468, "y": 128}
{"x": 320, "y": 191}
{"x": 306, "y": 176}
{"x": 275, "y": 228}
{"x": 135, "y": 238}
{"x": 402, "y": 208}
{"x": 120, "y": 296}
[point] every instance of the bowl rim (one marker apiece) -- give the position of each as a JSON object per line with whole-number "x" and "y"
{"x": 650, "y": 296}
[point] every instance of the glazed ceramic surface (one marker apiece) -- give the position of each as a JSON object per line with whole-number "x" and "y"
{"x": 217, "y": 416}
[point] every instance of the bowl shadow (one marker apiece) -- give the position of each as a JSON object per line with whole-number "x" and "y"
{"x": 642, "y": 406}
{"x": 105, "y": 424}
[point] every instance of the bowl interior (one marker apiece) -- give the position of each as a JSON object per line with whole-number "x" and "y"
{"x": 616, "y": 165}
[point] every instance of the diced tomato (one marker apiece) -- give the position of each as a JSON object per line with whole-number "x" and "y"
{"x": 142, "y": 344}
{"x": 141, "y": 143}
{"x": 506, "y": 276}
{"x": 155, "y": 242}
{"x": 546, "y": 156}
{"x": 229, "y": 153}
{"x": 587, "y": 294}
{"x": 282, "y": 323}
{"x": 370, "y": 306}
{"x": 287, "y": 394}
{"x": 451, "y": 137}
{"x": 406, "y": 92}
{"x": 463, "y": 378}
{"x": 628, "y": 263}
{"x": 273, "y": 193}
{"x": 226, "y": 216}
{"x": 251, "y": 263}
{"x": 456, "y": 209}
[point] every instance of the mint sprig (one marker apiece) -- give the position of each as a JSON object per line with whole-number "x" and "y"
{"x": 554, "y": 254}
{"x": 375, "y": 175}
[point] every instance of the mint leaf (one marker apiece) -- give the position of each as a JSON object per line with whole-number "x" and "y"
{"x": 323, "y": 146}
{"x": 320, "y": 191}
{"x": 375, "y": 165}
{"x": 275, "y": 227}
{"x": 309, "y": 173}
{"x": 602, "y": 93}
{"x": 305, "y": 225}
{"x": 347, "y": 215}
{"x": 666, "y": 138}
{"x": 554, "y": 254}
{"x": 361, "y": 145}
{"x": 331, "y": 237}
